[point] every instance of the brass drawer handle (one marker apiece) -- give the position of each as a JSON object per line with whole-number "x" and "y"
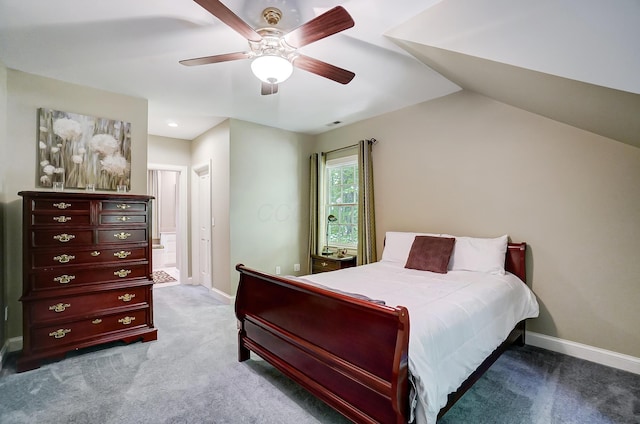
{"x": 62, "y": 218}
{"x": 95, "y": 253}
{"x": 58, "y": 334}
{"x": 324, "y": 264}
{"x": 126, "y": 297}
{"x": 62, "y": 205}
{"x": 64, "y": 279}
{"x": 122, "y": 273}
{"x": 121, "y": 254}
{"x": 59, "y": 307}
{"x": 63, "y": 259}
{"x": 63, "y": 238}
{"x": 123, "y": 218}
{"x": 96, "y": 321}
{"x": 126, "y": 320}
{"x": 123, "y": 206}
{"x": 122, "y": 236}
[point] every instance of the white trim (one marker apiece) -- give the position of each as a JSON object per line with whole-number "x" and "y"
{"x": 344, "y": 160}
{"x": 13, "y": 344}
{"x": 3, "y": 351}
{"x": 222, "y": 296}
{"x": 201, "y": 169}
{"x": 198, "y": 171}
{"x": 590, "y": 353}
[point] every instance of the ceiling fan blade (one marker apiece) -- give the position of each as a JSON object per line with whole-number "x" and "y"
{"x": 268, "y": 89}
{"x": 323, "y": 69}
{"x": 329, "y": 23}
{"x": 226, "y": 15}
{"x": 215, "y": 59}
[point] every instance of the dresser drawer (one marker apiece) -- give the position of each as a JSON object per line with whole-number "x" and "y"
{"x": 61, "y": 237}
{"x": 60, "y": 205}
{"x": 85, "y": 329}
{"x": 61, "y": 219}
{"x": 70, "y": 307}
{"x": 65, "y": 256}
{"x": 322, "y": 265}
{"x": 122, "y": 235}
{"x": 119, "y": 206}
{"x": 119, "y": 255}
{"x": 76, "y": 276}
{"x": 331, "y": 263}
{"x": 122, "y": 219}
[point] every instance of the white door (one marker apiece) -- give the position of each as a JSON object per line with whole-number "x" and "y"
{"x": 204, "y": 229}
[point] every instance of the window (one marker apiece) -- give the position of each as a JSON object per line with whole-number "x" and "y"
{"x": 341, "y": 196}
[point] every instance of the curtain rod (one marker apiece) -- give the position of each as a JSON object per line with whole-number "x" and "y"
{"x": 371, "y": 141}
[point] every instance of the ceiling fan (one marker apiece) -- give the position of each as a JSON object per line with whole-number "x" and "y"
{"x": 274, "y": 52}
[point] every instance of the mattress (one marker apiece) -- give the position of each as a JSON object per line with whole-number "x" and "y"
{"x": 457, "y": 319}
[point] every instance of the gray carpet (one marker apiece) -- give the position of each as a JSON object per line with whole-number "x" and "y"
{"x": 191, "y": 375}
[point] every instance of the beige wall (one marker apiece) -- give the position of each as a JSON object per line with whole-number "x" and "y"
{"x": 169, "y": 151}
{"x": 258, "y": 176}
{"x": 25, "y": 94}
{"x": 269, "y": 198}
{"x": 467, "y": 165}
{"x": 259, "y": 199}
{"x": 212, "y": 148}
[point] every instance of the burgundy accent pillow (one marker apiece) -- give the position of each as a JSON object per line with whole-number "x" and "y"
{"x": 430, "y": 253}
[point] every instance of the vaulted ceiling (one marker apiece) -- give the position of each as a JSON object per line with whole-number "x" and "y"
{"x": 574, "y": 61}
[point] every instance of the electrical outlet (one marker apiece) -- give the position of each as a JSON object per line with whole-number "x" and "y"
{"x": 278, "y": 270}
{"x": 296, "y": 267}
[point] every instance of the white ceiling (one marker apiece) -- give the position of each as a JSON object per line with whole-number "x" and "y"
{"x": 133, "y": 48}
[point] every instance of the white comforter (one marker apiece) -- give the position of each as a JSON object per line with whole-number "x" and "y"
{"x": 456, "y": 320}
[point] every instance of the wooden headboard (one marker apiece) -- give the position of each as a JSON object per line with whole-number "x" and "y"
{"x": 515, "y": 260}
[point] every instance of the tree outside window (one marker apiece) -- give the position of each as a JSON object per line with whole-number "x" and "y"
{"x": 342, "y": 202}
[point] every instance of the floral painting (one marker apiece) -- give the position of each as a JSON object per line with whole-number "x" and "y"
{"x": 78, "y": 150}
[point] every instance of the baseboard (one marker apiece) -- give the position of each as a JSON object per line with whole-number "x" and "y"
{"x": 3, "y": 353}
{"x": 578, "y": 350}
{"x": 15, "y": 344}
{"x": 10, "y": 345}
{"x": 222, "y": 296}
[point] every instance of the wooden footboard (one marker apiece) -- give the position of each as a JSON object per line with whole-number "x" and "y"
{"x": 350, "y": 353}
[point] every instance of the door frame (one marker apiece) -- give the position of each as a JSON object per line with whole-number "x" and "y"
{"x": 182, "y": 240}
{"x": 198, "y": 170}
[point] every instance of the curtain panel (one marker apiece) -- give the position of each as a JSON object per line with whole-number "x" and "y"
{"x": 366, "y": 212}
{"x": 314, "y": 175}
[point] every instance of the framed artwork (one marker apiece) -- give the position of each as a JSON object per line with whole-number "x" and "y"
{"x": 83, "y": 152}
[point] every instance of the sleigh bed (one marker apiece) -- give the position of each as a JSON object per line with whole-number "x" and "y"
{"x": 352, "y": 349}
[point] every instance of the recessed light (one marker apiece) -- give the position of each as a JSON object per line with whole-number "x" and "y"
{"x": 172, "y": 124}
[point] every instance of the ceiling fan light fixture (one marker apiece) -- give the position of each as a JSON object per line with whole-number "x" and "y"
{"x": 271, "y": 69}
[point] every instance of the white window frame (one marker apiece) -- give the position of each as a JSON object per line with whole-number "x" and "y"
{"x": 350, "y": 160}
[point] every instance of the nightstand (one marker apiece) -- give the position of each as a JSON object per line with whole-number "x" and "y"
{"x": 320, "y": 263}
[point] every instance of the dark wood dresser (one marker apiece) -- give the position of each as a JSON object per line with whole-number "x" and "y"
{"x": 86, "y": 272}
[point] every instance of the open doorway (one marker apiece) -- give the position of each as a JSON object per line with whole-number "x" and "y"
{"x": 169, "y": 222}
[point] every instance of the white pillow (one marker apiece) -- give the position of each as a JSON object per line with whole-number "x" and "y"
{"x": 479, "y": 254}
{"x": 397, "y": 246}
